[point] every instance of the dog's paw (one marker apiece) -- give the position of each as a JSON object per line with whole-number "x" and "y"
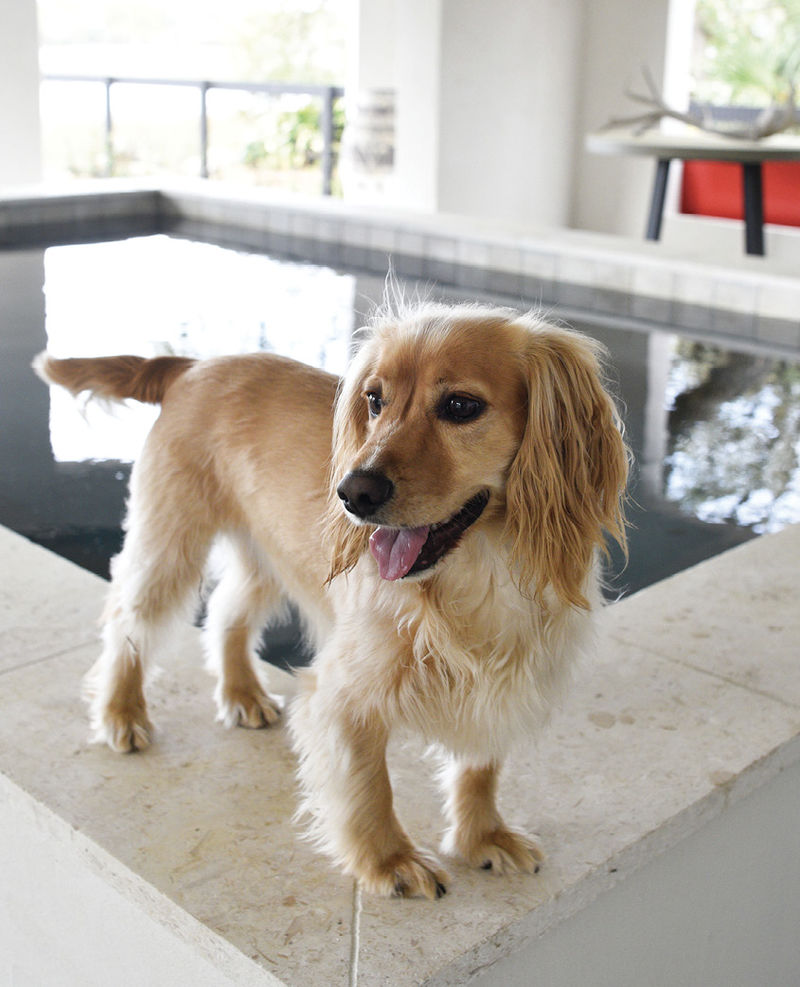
{"x": 408, "y": 874}
{"x": 254, "y": 709}
{"x": 124, "y": 730}
{"x": 501, "y": 851}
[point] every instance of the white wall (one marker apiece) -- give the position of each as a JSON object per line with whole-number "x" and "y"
{"x": 507, "y": 109}
{"x": 495, "y": 97}
{"x": 20, "y": 148}
{"x": 395, "y": 46}
{"x": 611, "y": 194}
{"x": 485, "y": 103}
{"x": 418, "y": 69}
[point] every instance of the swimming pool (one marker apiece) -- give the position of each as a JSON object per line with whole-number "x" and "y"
{"x": 715, "y": 431}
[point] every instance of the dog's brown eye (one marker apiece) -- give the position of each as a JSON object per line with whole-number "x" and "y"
{"x": 375, "y": 403}
{"x": 460, "y": 408}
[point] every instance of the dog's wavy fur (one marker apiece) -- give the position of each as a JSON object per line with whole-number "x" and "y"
{"x": 471, "y": 653}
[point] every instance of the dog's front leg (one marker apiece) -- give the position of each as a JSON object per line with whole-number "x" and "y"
{"x": 348, "y": 795}
{"x": 477, "y": 832}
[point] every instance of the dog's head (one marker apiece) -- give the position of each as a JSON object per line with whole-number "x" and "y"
{"x": 451, "y": 418}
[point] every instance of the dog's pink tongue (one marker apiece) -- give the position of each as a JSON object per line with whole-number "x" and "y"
{"x": 396, "y": 549}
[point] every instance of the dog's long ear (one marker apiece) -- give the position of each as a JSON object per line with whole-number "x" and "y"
{"x": 347, "y": 541}
{"x": 566, "y": 484}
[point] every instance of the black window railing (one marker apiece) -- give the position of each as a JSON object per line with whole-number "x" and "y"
{"x": 325, "y": 93}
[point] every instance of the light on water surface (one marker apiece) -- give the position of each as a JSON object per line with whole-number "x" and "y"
{"x": 155, "y": 295}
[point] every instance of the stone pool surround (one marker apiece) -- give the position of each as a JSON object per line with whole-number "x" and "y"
{"x": 749, "y": 301}
{"x": 183, "y": 865}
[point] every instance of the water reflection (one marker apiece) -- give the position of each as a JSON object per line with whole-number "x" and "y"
{"x": 154, "y": 295}
{"x": 734, "y": 437}
{"x": 73, "y": 508}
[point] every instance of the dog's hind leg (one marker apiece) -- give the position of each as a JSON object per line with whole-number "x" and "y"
{"x": 155, "y": 578}
{"x": 244, "y": 600}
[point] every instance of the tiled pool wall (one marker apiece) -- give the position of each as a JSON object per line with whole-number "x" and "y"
{"x": 569, "y": 271}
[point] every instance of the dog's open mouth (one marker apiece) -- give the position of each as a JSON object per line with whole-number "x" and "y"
{"x": 403, "y": 551}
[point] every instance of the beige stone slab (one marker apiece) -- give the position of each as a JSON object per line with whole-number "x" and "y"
{"x": 44, "y": 609}
{"x": 644, "y": 751}
{"x": 736, "y": 615}
{"x": 203, "y": 817}
{"x": 649, "y": 745}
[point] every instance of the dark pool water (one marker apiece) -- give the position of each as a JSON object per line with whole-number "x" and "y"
{"x": 715, "y": 432}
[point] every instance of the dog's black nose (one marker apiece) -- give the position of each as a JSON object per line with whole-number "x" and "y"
{"x": 364, "y": 491}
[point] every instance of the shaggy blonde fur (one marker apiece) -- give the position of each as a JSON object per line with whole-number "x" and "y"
{"x": 442, "y": 407}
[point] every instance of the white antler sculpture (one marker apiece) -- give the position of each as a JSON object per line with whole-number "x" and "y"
{"x": 772, "y": 119}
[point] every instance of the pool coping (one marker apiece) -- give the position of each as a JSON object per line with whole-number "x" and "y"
{"x": 750, "y": 302}
{"x": 679, "y": 718}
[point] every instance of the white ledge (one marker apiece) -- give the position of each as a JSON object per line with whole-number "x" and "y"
{"x": 182, "y": 865}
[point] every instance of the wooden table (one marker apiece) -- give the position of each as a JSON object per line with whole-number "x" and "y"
{"x": 697, "y": 145}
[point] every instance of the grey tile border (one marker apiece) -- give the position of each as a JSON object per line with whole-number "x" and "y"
{"x": 439, "y": 271}
{"x": 555, "y": 270}
{"x": 504, "y": 283}
{"x": 736, "y": 295}
{"x": 473, "y": 254}
{"x": 537, "y": 292}
{"x": 382, "y": 238}
{"x": 76, "y": 231}
{"x": 441, "y": 248}
{"x": 688, "y": 315}
{"x": 330, "y": 230}
{"x": 408, "y": 265}
{"x": 354, "y": 256}
{"x": 470, "y": 276}
{"x": 326, "y": 253}
{"x": 778, "y": 332}
{"x": 732, "y": 323}
{"x": 613, "y": 301}
{"x": 651, "y": 309}
{"x": 410, "y": 244}
{"x": 573, "y": 295}
{"x": 502, "y": 257}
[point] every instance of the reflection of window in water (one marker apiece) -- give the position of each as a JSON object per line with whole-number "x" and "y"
{"x": 158, "y": 294}
{"x": 734, "y": 437}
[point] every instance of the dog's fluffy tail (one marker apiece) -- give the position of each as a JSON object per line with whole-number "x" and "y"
{"x": 114, "y": 378}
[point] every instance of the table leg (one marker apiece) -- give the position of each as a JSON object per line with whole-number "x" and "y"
{"x": 753, "y": 208}
{"x": 657, "y": 200}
